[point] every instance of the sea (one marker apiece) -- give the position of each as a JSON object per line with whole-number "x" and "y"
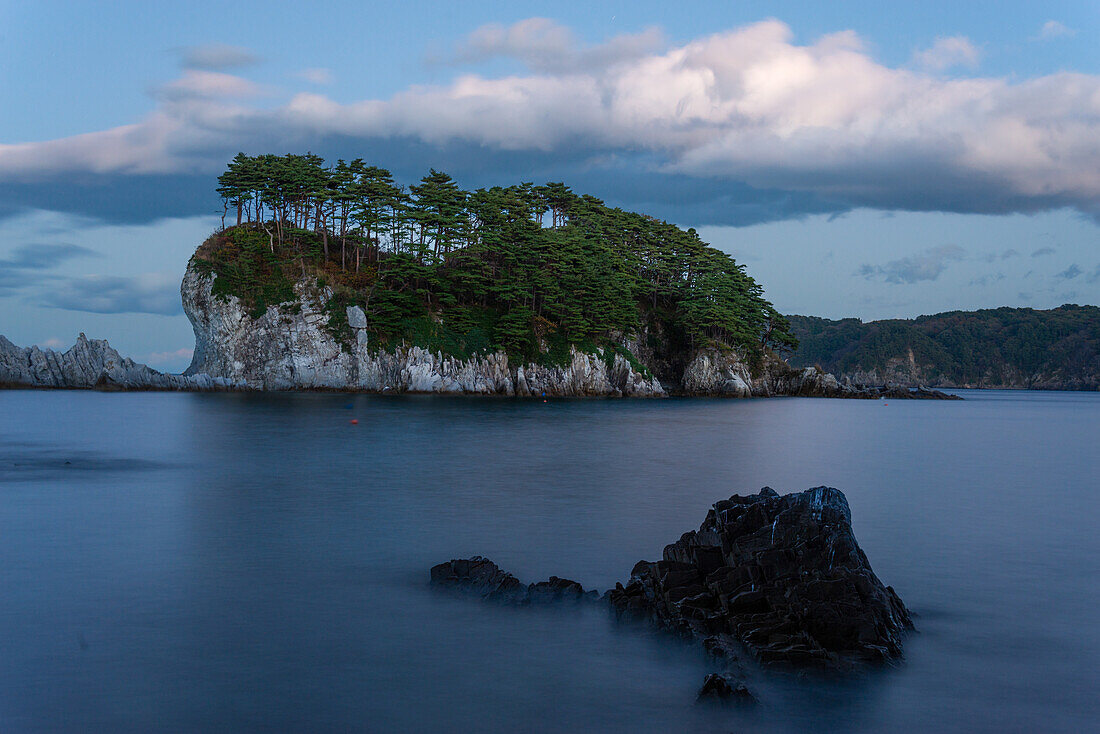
{"x": 259, "y": 562}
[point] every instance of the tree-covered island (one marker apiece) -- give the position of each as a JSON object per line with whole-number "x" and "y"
{"x": 527, "y": 269}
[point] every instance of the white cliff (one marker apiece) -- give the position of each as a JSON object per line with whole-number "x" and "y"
{"x": 293, "y": 349}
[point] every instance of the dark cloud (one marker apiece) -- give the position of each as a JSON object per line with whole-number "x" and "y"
{"x": 217, "y": 57}
{"x": 706, "y": 132}
{"x": 43, "y": 256}
{"x": 152, "y": 294}
{"x": 1042, "y": 251}
{"x": 928, "y": 265}
{"x": 1069, "y": 273}
{"x": 988, "y": 279}
{"x": 29, "y": 265}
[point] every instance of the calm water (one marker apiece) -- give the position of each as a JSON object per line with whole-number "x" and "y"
{"x": 256, "y": 563}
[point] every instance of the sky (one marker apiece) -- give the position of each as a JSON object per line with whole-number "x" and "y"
{"x": 866, "y": 159}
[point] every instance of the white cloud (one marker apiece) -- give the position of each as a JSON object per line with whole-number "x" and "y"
{"x": 1053, "y": 29}
{"x": 545, "y": 46}
{"x": 217, "y": 56}
{"x": 924, "y": 266}
{"x": 170, "y": 358}
{"x": 315, "y": 75}
{"x": 948, "y": 52}
{"x": 747, "y": 105}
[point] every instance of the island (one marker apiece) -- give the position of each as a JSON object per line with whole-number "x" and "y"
{"x": 335, "y": 277}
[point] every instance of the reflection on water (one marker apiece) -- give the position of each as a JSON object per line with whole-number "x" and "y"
{"x": 258, "y": 563}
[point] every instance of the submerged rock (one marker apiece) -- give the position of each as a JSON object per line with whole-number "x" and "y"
{"x": 782, "y": 575}
{"x": 725, "y": 689}
{"x": 486, "y": 579}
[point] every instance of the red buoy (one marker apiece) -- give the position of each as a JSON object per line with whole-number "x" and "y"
{"x": 355, "y": 421}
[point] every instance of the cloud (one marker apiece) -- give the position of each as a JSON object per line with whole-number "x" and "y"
{"x": 822, "y": 127}
{"x": 171, "y": 358}
{"x": 43, "y": 256}
{"x": 946, "y": 53}
{"x": 928, "y": 265}
{"x": 1094, "y": 276}
{"x": 1005, "y": 255}
{"x": 152, "y": 293}
{"x": 1043, "y": 251}
{"x": 1069, "y": 273}
{"x": 1053, "y": 29}
{"x": 544, "y": 46}
{"x": 316, "y": 75}
{"x": 217, "y": 57}
{"x": 210, "y": 85}
{"x": 988, "y": 279}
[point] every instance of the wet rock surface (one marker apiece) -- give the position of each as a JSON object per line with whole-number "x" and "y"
{"x": 481, "y": 577}
{"x": 725, "y": 689}
{"x": 782, "y": 575}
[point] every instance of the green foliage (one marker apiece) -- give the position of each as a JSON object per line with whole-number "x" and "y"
{"x": 991, "y": 346}
{"x": 469, "y": 272}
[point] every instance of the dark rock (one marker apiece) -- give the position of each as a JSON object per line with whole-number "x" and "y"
{"x": 481, "y": 576}
{"x": 724, "y": 689}
{"x": 782, "y": 575}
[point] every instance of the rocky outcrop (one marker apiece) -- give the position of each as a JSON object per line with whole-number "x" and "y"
{"x": 91, "y": 363}
{"x": 483, "y": 578}
{"x": 783, "y": 576}
{"x": 295, "y": 349}
{"x": 780, "y": 576}
{"x": 716, "y": 372}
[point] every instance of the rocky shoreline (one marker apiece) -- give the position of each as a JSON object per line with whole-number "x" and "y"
{"x": 779, "y": 578}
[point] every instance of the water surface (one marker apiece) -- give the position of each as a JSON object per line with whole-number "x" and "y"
{"x": 250, "y": 563}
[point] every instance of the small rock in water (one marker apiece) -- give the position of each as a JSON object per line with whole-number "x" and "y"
{"x": 723, "y": 689}
{"x": 481, "y": 576}
{"x": 782, "y": 575}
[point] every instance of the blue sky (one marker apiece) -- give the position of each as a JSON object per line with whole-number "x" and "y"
{"x": 862, "y": 159}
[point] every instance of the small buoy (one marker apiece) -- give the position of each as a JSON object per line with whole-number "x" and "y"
{"x": 355, "y": 421}
{"x": 544, "y": 400}
{"x": 885, "y": 404}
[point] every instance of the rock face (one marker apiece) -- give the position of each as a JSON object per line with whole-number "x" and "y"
{"x": 484, "y": 578}
{"x": 91, "y": 363}
{"x": 294, "y": 351}
{"x": 779, "y": 576}
{"x": 784, "y": 576}
{"x": 723, "y": 373}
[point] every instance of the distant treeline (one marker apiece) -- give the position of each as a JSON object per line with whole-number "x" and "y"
{"x": 524, "y": 268}
{"x": 1003, "y": 347}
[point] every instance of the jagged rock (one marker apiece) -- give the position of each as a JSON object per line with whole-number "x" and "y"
{"x": 91, "y": 363}
{"x": 724, "y": 689}
{"x": 480, "y": 576}
{"x": 782, "y": 575}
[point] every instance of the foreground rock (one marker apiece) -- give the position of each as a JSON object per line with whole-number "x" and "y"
{"x": 725, "y": 689}
{"x": 91, "y": 363}
{"x": 783, "y": 576}
{"x": 779, "y": 576}
{"x": 482, "y": 577}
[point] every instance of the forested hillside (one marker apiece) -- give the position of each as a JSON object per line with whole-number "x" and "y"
{"x": 1003, "y": 347}
{"x": 527, "y": 269}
